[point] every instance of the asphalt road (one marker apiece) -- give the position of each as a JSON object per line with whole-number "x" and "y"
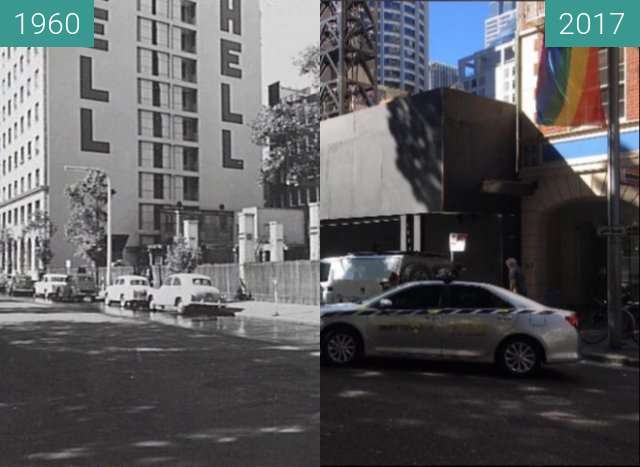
{"x": 81, "y": 387}
{"x": 389, "y": 412}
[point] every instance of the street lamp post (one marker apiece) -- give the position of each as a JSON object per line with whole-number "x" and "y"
{"x": 78, "y": 168}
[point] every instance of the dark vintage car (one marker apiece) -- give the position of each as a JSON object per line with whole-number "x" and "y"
{"x": 20, "y": 284}
{"x": 84, "y": 287}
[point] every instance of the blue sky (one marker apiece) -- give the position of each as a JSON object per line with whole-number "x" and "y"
{"x": 456, "y": 29}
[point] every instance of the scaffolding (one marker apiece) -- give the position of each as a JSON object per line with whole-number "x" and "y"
{"x": 348, "y": 49}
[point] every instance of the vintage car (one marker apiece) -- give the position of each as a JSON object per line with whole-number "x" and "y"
{"x": 84, "y": 287}
{"x": 20, "y": 284}
{"x": 185, "y": 291}
{"x": 53, "y": 286}
{"x": 128, "y": 291}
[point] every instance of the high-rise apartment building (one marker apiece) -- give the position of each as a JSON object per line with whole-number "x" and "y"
{"x": 442, "y": 75}
{"x": 403, "y": 45}
{"x": 161, "y": 103}
{"x": 500, "y": 26}
{"x": 490, "y": 72}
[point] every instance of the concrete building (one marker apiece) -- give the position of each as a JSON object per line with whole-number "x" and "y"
{"x": 442, "y": 75}
{"x": 403, "y": 45}
{"x": 490, "y": 72}
{"x": 500, "y": 26}
{"x": 564, "y": 259}
{"x": 407, "y": 174}
{"x": 162, "y": 103}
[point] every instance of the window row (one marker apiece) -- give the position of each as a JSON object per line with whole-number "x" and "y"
{"x": 159, "y": 156}
{"x": 156, "y": 94}
{"x": 152, "y": 32}
{"x": 20, "y": 126}
{"x": 10, "y": 161}
{"x": 25, "y": 184}
{"x": 154, "y": 63}
{"x": 18, "y": 67}
{"x": 20, "y": 95}
{"x": 159, "y": 125}
{"x": 11, "y": 216}
{"x": 164, "y": 187}
{"x": 178, "y": 10}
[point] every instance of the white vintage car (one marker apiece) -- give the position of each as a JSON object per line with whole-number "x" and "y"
{"x": 52, "y": 285}
{"x": 128, "y": 291}
{"x": 181, "y": 291}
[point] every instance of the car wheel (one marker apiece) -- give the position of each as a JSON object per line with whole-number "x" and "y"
{"x": 415, "y": 272}
{"x": 341, "y": 347}
{"x": 179, "y": 306}
{"x": 519, "y": 356}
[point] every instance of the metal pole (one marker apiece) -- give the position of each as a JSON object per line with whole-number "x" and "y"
{"x": 614, "y": 263}
{"x": 109, "y": 245}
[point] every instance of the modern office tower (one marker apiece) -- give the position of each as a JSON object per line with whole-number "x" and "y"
{"x": 442, "y": 75}
{"x": 500, "y": 26}
{"x": 403, "y": 45}
{"x": 490, "y": 72}
{"x": 162, "y": 103}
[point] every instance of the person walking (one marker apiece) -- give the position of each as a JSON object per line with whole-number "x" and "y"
{"x": 516, "y": 277}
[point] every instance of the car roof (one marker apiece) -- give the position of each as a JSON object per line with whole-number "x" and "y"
{"x": 132, "y": 276}
{"x": 190, "y": 276}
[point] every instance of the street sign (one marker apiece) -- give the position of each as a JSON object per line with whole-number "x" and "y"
{"x": 612, "y": 231}
{"x": 458, "y": 242}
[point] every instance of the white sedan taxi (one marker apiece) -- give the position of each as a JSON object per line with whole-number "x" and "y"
{"x": 183, "y": 291}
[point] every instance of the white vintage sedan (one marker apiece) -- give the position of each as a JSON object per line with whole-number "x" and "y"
{"x": 128, "y": 291}
{"x": 52, "y": 285}
{"x": 182, "y": 291}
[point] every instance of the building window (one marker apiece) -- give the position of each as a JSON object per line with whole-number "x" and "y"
{"x": 190, "y": 159}
{"x": 185, "y": 99}
{"x": 185, "y": 69}
{"x": 603, "y": 67}
{"x": 153, "y": 93}
{"x": 152, "y": 62}
{"x": 158, "y": 186}
{"x": 153, "y": 124}
{"x": 154, "y": 155}
{"x": 191, "y": 187}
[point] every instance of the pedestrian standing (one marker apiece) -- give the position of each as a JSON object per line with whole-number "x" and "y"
{"x": 516, "y": 277}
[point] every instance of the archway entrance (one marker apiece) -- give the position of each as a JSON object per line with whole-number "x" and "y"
{"x": 577, "y": 256}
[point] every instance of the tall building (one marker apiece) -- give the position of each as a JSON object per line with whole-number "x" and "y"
{"x": 403, "y": 45}
{"x": 490, "y": 72}
{"x": 442, "y": 75}
{"x": 161, "y": 103}
{"x": 500, "y": 26}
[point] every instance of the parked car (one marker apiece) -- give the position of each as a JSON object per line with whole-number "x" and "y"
{"x": 84, "y": 287}
{"x": 53, "y": 286}
{"x": 456, "y": 320}
{"x": 359, "y": 276}
{"x": 182, "y": 291}
{"x": 128, "y": 291}
{"x": 20, "y": 284}
{"x": 4, "y": 282}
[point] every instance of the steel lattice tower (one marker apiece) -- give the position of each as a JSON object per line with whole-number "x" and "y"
{"x": 348, "y": 68}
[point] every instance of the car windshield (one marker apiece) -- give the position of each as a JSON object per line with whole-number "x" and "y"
{"x": 377, "y": 269}
{"x": 325, "y": 267}
{"x": 201, "y": 281}
{"x": 139, "y": 282}
{"x": 58, "y": 278}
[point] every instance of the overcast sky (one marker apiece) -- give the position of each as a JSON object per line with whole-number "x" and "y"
{"x": 288, "y": 26}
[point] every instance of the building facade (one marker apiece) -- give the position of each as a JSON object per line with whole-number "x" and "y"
{"x": 500, "y": 26}
{"x": 403, "y": 45}
{"x": 564, "y": 258}
{"x": 442, "y": 75}
{"x": 490, "y": 72}
{"x": 161, "y": 103}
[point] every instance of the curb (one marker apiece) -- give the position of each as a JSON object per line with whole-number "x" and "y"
{"x": 620, "y": 360}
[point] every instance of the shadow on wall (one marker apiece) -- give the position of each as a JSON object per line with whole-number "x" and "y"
{"x": 419, "y": 155}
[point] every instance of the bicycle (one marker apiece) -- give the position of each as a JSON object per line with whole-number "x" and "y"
{"x": 595, "y": 329}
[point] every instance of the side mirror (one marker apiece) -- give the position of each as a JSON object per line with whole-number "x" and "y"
{"x": 385, "y": 303}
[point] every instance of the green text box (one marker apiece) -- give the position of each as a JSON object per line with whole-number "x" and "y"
{"x": 46, "y": 23}
{"x": 592, "y": 23}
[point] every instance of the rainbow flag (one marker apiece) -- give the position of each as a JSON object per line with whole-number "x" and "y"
{"x": 568, "y": 90}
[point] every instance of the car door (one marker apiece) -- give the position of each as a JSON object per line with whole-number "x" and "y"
{"x": 164, "y": 292}
{"x": 405, "y": 325}
{"x": 473, "y": 321}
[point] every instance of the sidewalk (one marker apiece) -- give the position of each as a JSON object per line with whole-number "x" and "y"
{"x": 283, "y": 312}
{"x": 626, "y": 356}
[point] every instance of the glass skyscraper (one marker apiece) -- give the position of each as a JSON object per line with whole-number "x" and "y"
{"x": 403, "y": 45}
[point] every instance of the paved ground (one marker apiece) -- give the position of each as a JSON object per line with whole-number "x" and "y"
{"x": 389, "y": 412}
{"x": 281, "y": 312}
{"x": 81, "y": 387}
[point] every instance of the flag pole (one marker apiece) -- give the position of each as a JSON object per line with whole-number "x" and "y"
{"x": 518, "y": 87}
{"x": 614, "y": 253}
